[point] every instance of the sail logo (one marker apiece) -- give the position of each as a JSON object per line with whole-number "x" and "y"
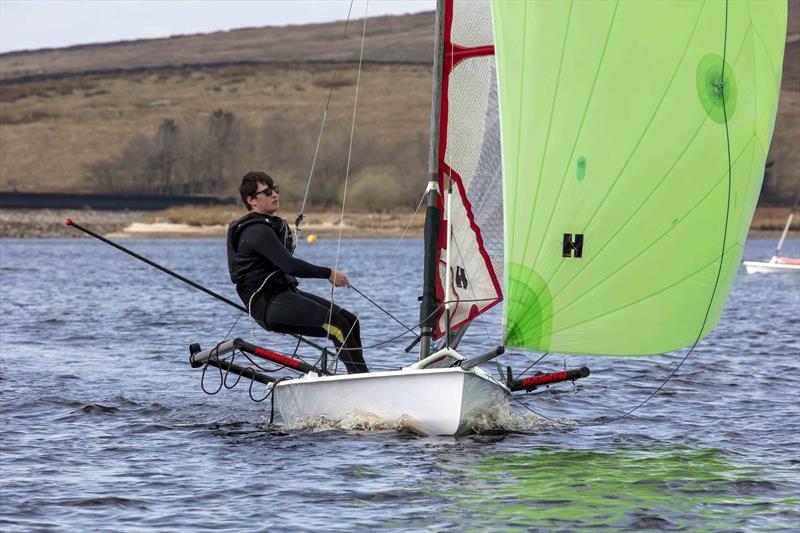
{"x": 572, "y": 247}
{"x": 461, "y": 278}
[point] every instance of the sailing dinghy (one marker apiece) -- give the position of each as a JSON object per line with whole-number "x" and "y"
{"x": 777, "y": 264}
{"x": 615, "y": 210}
{"x": 610, "y": 220}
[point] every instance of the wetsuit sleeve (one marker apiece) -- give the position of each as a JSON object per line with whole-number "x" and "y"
{"x": 261, "y": 239}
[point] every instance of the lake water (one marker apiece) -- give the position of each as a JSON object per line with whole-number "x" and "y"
{"x": 105, "y": 427}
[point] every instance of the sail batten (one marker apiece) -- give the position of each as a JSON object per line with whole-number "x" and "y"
{"x": 631, "y": 159}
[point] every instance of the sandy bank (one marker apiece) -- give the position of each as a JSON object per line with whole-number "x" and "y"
{"x": 179, "y": 222}
{"x": 51, "y": 222}
{"x": 212, "y": 222}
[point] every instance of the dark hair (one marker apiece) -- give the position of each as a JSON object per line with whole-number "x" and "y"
{"x": 249, "y": 185}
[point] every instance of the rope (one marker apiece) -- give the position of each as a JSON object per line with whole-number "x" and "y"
{"x": 269, "y": 393}
{"x": 228, "y": 334}
{"x": 392, "y": 339}
{"x": 390, "y": 315}
{"x": 205, "y": 367}
{"x": 347, "y": 171}
{"x": 249, "y": 309}
{"x": 516, "y": 399}
{"x": 301, "y": 215}
{"x": 386, "y": 263}
{"x": 533, "y": 364}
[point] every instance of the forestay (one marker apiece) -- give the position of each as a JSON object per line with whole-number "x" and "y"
{"x": 469, "y": 148}
{"x": 634, "y": 141}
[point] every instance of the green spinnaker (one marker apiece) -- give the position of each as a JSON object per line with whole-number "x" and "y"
{"x": 643, "y": 127}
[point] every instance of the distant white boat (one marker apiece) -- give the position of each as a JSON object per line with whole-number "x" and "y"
{"x": 777, "y": 264}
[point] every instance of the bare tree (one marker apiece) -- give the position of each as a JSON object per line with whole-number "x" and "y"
{"x": 101, "y": 175}
{"x": 193, "y": 160}
{"x": 210, "y": 154}
{"x": 223, "y": 131}
{"x": 135, "y": 168}
{"x": 166, "y": 154}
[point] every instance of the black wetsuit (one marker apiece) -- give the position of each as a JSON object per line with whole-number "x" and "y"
{"x": 261, "y": 265}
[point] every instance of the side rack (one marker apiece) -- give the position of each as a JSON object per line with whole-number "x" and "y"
{"x": 214, "y": 357}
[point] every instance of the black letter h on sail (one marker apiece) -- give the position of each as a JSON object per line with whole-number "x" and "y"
{"x": 572, "y": 245}
{"x": 461, "y": 277}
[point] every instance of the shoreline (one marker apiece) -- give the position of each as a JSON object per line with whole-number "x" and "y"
{"x": 172, "y": 223}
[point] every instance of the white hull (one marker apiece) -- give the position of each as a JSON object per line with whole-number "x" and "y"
{"x": 443, "y": 401}
{"x": 756, "y": 267}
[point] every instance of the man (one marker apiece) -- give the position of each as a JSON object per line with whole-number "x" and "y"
{"x": 261, "y": 264}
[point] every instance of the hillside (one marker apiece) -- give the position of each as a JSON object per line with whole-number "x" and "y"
{"x": 55, "y": 129}
{"x": 404, "y": 39}
{"x": 74, "y": 118}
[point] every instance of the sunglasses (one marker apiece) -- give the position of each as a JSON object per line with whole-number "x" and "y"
{"x": 267, "y": 192}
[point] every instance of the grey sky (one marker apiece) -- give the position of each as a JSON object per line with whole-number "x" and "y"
{"x": 32, "y": 24}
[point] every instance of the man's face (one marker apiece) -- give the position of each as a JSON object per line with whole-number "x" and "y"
{"x": 265, "y": 200}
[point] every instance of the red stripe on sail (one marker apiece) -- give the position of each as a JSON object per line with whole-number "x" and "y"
{"x": 455, "y": 54}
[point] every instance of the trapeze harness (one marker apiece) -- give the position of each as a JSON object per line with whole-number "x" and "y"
{"x": 261, "y": 264}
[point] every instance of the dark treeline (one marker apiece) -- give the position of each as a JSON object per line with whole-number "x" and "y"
{"x": 209, "y": 155}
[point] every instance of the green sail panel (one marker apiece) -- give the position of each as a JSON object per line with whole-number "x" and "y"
{"x": 634, "y": 137}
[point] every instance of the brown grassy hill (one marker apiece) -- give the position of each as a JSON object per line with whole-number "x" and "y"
{"x": 407, "y": 39}
{"x": 51, "y": 131}
{"x": 64, "y": 110}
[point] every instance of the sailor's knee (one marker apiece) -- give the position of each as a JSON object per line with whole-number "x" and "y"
{"x": 352, "y": 321}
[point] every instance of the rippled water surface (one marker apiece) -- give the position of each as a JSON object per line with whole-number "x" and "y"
{"x": 104, "y": 424}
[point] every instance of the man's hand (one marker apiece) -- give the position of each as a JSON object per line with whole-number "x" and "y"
{"x": 339, "y": 279}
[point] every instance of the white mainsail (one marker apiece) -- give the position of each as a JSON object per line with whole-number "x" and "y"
{"x": 469, "y": 148}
